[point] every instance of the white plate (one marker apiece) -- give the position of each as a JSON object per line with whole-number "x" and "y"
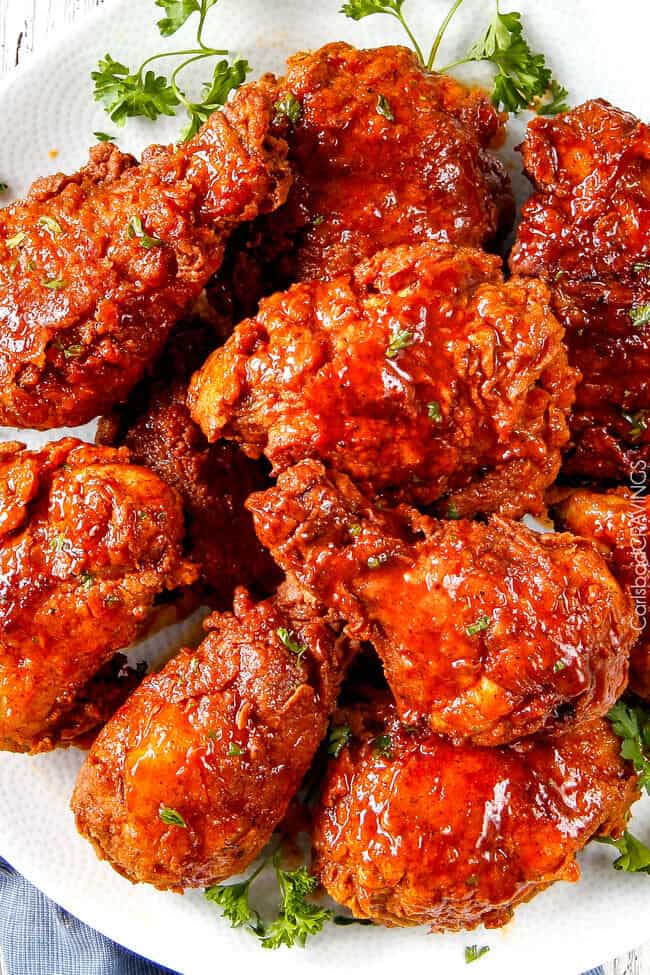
{"x": 598, "y": 49}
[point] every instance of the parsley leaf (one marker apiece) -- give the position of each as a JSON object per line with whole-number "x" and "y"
{"x": 339, "y": 737}
{"x": 170, "y": 817}
{"x": 474, "y": 952}
{"x": 126, "y": 95}
{"x": 632, "y": 724}
{"x": 522, "y": 75}
{"x": 103, "y": 136}
{"x": 481, "y": 624}
{"x": 288, "y": 638}
{"x": 226, "y": 78}
{"x": 383, "y": 108}
{"x": 135, "y": 229}
{"x": 640, "y": 315}
{"x": 555, "y": 101}
{"x": 634, "y": 856}
{"x": 401, "y": 339}
{"x": 358, "y": 9}
{"x": 298, "y": 919}
{"x": 383, "y": 745}
{"x": 178, "y": 11}
{"x": 234, "y": 899}
{"x": 288, "y": 107}
{"x": 433, "y": 411}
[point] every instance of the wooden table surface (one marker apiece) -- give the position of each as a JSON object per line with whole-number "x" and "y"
{"x": 24, "y": 28}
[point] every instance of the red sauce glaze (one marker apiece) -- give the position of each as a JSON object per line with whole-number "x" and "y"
{"x": 421, "y": 374}
{"x": 586, "y": 230}
{"x": 85, "y": 301}
{"x": 87, "y": 542}
{"x": 487, "y": 632}
{"x": 223, "y": 736}
{"x": 414, "y": 830}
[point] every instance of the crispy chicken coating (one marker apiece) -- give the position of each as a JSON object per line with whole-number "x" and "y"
{"x": 421, "y": 374}
{"x": 618, "y": 522}
{"x": 384, "y": 153}
{"x": 586, "y": 230}
{"x": 97, "y": 267}
{"x": 222, "y": 736}
{"x": 213, "y": 480}
{"x": 87, "y": 542}
{"x": 487, "y": 632}
{"x": 414, "y": 830}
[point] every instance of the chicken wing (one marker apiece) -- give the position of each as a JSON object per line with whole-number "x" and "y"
{"x": 618, "y": 522}
{"x": 488, "y": 632}
{"x": 414, "y": 830}
{"x": 421, "y": 374}
{"x": 87, "y": 542}
{"x": 587, "y": 231}
{"x": 213, "y": 480}
{"x": 384, "y": 153}
{"x": 220, "y": 739}
{"x": 96, "y": 268}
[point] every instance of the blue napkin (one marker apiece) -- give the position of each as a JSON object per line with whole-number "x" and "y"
{"x": 39, "y": 938}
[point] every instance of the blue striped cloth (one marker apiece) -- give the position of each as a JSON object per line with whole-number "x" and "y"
{"x": 39, "y": 938}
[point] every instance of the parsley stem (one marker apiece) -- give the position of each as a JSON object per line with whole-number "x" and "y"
{"x": 418, "y": 50}
{"x": 455, "y": 64}
{"x": 439, "y": 36}
{"x": 199, "y": 35}
{"x": 172, "y": 81}
{"x": 202, "y": 51}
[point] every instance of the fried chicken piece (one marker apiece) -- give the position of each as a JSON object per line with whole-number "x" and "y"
{"x": 96, "y": 268}
{"x": 384, "y": 153}
{"x": 488, "y": 632}
{"x": 87, "y": 542}
{"x": 586, "y": 230}
{"x": 421, "y": 374}
{"x": 213, "y": 480}
{"x": 414, "y": 830}
{"x": 222, "y": 736}
{"x": 618, "y": 523}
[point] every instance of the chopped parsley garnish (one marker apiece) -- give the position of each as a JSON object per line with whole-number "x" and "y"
{"x": 375, "y": 561}
{"x": 103, "y": 137}
{"x": 135, "y": 229}
{"x": 234, "y": 749}
{"x": 355, "y": 530}
{"x": 16, "y": 240}
{"x": 401, "y": 339}
{"x": 433, "y": 412}
{"x": 641, "y": 267}
{"x": 298, "y": 918}
{"x": 70, "y": 351}
{"x": 558, "y": 666}
{"x": 317, "y": 221}
{"x": 474, "y": 952}
{"x": 54, "y": 284}
{"x": 146, "y": 94}
{"x": 523, "y": 79}
{"x": 339, "y": 737}
{"x": 170, "y": 817}
{"x": 481, "y": 624}
{"x": 638, "y": 423}
{"x": 288, "y": 638}
{"x": 288, "y": 107}
{"x": 52, "y": 225}
{"x": 383, "y": 745}
{"x": 87, "y": 580}
{"x": 640, "y": 315}
{"x": 453, "y": 513}
{"x": 634, "y": 856}
{"x": 58, "y": 542}
{"x": 632, "y": 724}
{"x": 383, "y": 108}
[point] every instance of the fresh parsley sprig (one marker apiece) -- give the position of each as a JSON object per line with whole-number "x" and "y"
{"x": 631, "y": 722}
{"x": 298, "y": 918}
{"x": 146, "y": 94}
{"x": 523, "y": 79}
{"x": 634, "y": 856}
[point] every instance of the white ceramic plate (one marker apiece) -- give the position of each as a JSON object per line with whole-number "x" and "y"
{"x": 598, "y": 49}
